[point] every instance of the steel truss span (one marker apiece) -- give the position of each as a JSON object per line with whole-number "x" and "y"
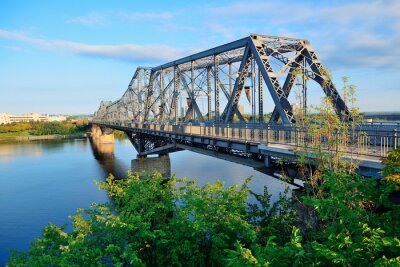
{"x": 207, "y": 86}
{"x": 163, "y": 108}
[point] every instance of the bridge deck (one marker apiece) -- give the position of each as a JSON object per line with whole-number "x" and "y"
{"x": 243, "y": 142}
{"x": 367, "y": 161}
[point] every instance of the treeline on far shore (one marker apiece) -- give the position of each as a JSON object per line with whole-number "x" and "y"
{"x": 70, "y": 126}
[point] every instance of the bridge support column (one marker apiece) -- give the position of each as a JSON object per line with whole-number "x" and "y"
{"x": 161, "y": 164}
{"x": 102, "y": 135}
{"x": 267, "y": 161}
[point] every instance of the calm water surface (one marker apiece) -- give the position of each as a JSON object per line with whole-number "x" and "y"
{"x": 46, "y": 181}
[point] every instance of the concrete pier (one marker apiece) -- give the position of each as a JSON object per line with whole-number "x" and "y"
{"x": 161, "y": 164}
{"x": 102, "y": 135}
{"x": 267, "y": 161}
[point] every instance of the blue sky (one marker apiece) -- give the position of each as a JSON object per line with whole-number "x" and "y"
{"x": 64, "y": 57}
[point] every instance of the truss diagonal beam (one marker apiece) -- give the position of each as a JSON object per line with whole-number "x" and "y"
{"x": 237, "y": 112}
{"x": 150, "y": 95}
{"x": 326, "y": 84}
{"x": 193, "y": 104}
{"x": 287, "y": 86}
{"x": 238, "y": 87}
{"x": 281, "y": 102}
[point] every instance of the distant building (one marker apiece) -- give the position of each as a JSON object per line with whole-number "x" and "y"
{"x": 29, "y": 117}
{"x": 183, "y": 112}
{"x": 241, "y": 108}
{"x": 296, "y": 107}
{"x": 57, "y": 118}
{"x": 6, "y": 118}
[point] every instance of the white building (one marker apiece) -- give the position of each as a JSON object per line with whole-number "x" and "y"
{"x": 57, "y": 118}
{"x": 29, "y": 117}
{"x": 4, "y": 118}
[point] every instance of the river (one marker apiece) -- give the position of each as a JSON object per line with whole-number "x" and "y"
{"x": 44, "y": 182}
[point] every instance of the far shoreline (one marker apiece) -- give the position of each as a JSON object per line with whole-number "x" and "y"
{"x": 16, "y": 139}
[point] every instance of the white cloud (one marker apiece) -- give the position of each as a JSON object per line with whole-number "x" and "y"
{"x": 228, "y": 33}
{"x": 14, "y": 48}
{"x": 309, "y": 13}
{"x": 360, "y": 34}
{"x": 140, "y": 16}
{"x": 127, "y": 52}
{"x": 91, "y": 19}
{"x": 96, "y": 18}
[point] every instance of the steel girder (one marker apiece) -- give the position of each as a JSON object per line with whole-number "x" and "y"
{"x": 237, "y": 89}
{"x": 154, "y": 94}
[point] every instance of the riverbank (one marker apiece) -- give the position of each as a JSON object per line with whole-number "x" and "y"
{"x": 18, "y": 138}
{"x": 51, "y": 137}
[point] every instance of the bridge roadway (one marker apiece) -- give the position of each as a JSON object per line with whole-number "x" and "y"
{"x": 254, "y": 144}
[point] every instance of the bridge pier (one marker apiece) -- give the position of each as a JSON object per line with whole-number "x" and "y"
{"x": 267, "y": 161}
{"x": 102, "y": 135}
{"x": 161, "y": 164}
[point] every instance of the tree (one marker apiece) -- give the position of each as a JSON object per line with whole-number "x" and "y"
{"x": 152, "y": 221}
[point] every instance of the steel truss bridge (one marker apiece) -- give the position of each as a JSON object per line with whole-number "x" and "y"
{"x": 163, "y": 108}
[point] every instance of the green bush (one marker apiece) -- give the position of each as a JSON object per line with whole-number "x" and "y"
{"x": 45, "y": 128}
{"x": 152, "y": 222}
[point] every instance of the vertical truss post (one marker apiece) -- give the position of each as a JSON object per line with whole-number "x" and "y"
{"x": 149, "y": 97}
{"x": 216, "y": 86}
{"x": 230, "y": 79}
{"x": 304, "y": 89}
{"x": 139, "y": 84}
{"x": 132, "y": 100}
{"x": 209, "y": 92}
{"x": 192, "y": 78}
{"x": 162, "y": 92}
{"x": 244, "y": 68}
{"x": 260, "y": 98}
{"x": 253, "y": 91}
{"x": 252, "y": 103}
{"x": 176, "y": 92}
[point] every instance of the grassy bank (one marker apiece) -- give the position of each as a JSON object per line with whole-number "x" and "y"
{"x": 12, "y": 137}
{"x": 16, "y": 132}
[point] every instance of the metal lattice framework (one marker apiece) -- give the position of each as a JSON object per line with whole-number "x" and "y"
{"x": 219, "y": 76}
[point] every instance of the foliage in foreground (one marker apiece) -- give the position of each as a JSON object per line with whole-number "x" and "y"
{"x": 152, "y": 222}
{"x": 168, "y": 222}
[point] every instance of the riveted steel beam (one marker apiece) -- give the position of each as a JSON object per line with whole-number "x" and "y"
{"x": 238, "y": 87}
{"x": 148, "y": 97}
{"x": 281, "y": 102}
{"x": 326, "y": 83}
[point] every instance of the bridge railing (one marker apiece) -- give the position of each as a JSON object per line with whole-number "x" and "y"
{"x": 371, "y": 141}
